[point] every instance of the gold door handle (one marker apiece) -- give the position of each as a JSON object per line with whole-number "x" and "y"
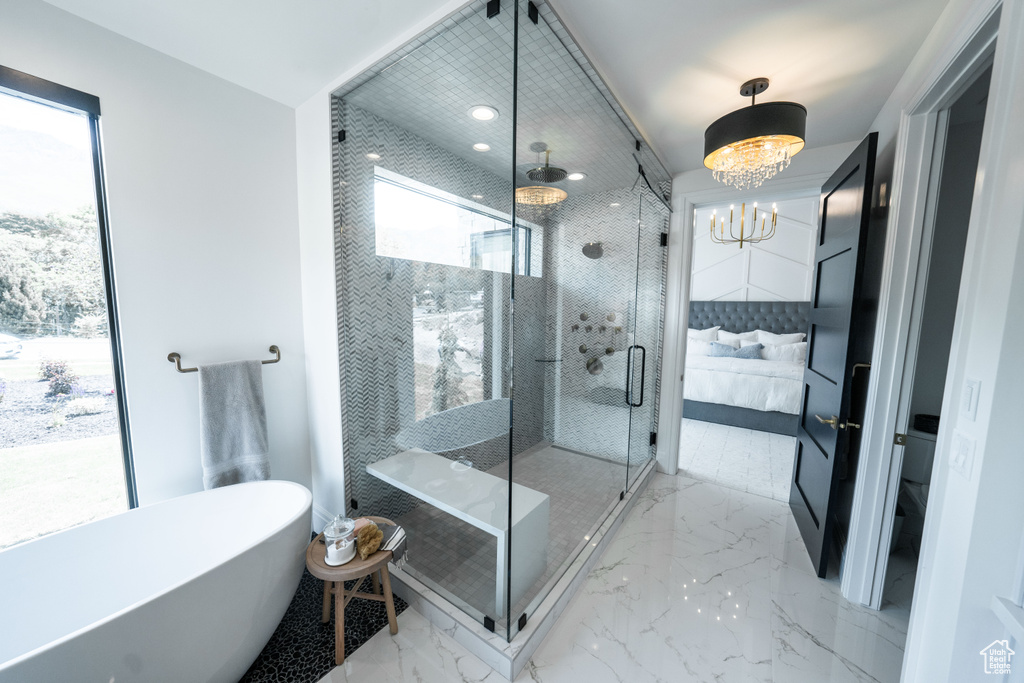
{"x": 851, "y": 425}
{"x": 834, "y": 422}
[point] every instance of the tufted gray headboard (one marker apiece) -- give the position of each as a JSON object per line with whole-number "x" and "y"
{"x": 780, "y": 317}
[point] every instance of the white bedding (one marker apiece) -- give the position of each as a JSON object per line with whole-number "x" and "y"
{"x": 769, "y": 385}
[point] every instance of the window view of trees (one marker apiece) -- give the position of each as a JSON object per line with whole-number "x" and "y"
{"x": 51, "y": 278}
{"x": 61, "y": 460}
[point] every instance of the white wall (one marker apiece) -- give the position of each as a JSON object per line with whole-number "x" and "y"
{"x": 975, "y": 523}
{"x": 778, "y": 269}
{"x": 203, "y": 222}
{"x": 319, "y": 285}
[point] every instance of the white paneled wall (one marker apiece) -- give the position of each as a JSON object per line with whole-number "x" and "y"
{"x": 779, "y": 269}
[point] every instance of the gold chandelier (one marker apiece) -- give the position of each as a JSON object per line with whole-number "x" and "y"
{"x": 539, "y": 195}
{"x": 749, "y": 146}
{"x": 748, "y": 234}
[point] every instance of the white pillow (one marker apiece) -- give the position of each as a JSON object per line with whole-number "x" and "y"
{"x": 741, "y": 336}
{"x": 795, "y": 353}
{"x": 770, "y": 338}
{"x": 748, "y": 342}
{"x": 708, "y": 335}
{"x": 699, "y": 347}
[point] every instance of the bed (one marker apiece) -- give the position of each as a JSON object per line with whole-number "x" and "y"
{"x": 746, "y": 392}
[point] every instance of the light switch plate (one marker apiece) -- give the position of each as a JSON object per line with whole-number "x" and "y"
{"x": 961, "y": 457}
{"x": 969, "y": 400}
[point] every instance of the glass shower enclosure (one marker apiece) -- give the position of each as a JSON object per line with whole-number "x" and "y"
{"x": 500, "y": 273}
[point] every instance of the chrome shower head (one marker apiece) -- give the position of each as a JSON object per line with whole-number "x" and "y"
{"x": 547, "y": 173}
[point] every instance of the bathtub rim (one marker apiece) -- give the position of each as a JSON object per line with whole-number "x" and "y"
{"x": 306, "y": 509}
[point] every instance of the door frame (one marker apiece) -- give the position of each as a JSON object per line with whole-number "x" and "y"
{"x": 690, "y": 191}
{"x": 917, "y": 142}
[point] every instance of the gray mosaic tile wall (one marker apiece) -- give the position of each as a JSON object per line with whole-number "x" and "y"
{"x": 594, "y": 305}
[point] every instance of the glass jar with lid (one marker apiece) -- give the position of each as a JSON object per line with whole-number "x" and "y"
{"x": 340, "y": 540}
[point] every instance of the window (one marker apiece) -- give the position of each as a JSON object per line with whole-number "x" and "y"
{"x": 420, "y": 223}
{"x": 64, "y": 447}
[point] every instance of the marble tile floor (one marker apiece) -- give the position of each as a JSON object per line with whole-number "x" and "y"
{"x": 741, "y": 459}
{"x": 701, "y": 583}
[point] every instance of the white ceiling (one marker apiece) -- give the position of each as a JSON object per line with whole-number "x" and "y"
{"x": 285, "y": 50}
{"x": 675, "y": 65}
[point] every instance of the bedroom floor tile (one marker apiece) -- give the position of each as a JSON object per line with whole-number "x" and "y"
{"x": 743, "y": 459}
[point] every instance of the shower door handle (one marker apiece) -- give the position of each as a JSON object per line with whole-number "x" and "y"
{"x": 629, "y": 375}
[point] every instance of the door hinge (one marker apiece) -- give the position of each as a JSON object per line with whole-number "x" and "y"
{"x": 354, "y": 504}
{"x": 531, "y": 11}
{"x": 900, "y": 439}
{"x": 489, "y": 623}
{"x": 341, "y": 135}
{"x": 493, "y": 10}
{"x": 664, "y": 239}
{"x": 622, "y": 495}
{"x": 654, "y": 438}
{"x": 522, "y": 618}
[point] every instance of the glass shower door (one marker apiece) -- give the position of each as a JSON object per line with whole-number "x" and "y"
{"x": 645, "y": 358}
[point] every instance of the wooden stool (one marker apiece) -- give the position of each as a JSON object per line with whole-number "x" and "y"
{"x": 358, "y": 570}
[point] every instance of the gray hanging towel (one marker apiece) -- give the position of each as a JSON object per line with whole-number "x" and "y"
{"x": 233, "y": 423}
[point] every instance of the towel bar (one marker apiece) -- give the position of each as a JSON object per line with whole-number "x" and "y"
{"x": 175, "y": 358}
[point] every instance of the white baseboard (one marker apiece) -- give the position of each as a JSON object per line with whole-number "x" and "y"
{"x": 320, "y": 518}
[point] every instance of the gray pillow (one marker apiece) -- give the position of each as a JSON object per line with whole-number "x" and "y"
{"x": 750, "y": 351}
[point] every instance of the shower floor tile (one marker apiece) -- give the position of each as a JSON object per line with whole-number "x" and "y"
{"x": 459, "y": 559}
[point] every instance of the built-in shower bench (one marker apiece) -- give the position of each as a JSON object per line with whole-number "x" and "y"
{"x": 480, "y": 499}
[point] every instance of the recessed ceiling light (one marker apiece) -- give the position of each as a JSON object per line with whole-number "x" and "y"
{"x": 482, "y": 147}
{"x": 478, "y": 196}
{"x": 615, "y": 204}
{"x": 373, "y": 156}
{"x": 482, "y": 112}
{"x": 576, "y": 176}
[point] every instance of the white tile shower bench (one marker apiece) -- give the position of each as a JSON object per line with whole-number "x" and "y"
{"x": 480, "y": 499}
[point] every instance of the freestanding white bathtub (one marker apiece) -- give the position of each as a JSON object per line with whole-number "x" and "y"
{"x": 190, "y": 589}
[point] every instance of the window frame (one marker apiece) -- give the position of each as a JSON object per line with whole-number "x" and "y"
{"x": 25, "y": 86}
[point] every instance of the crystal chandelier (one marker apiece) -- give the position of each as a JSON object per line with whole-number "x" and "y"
{"x": 749, "y": 234}
{"x": 749, "y": 146}
{"x": 539, "y": 195}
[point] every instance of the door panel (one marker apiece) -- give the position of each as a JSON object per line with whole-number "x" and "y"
{"x": 827, "y": 361}
{"x": 842, "y": 205}
{"x": 844, "y": 213}
{"x": 833, "y": 274}
{"x": 809, "y": 482}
